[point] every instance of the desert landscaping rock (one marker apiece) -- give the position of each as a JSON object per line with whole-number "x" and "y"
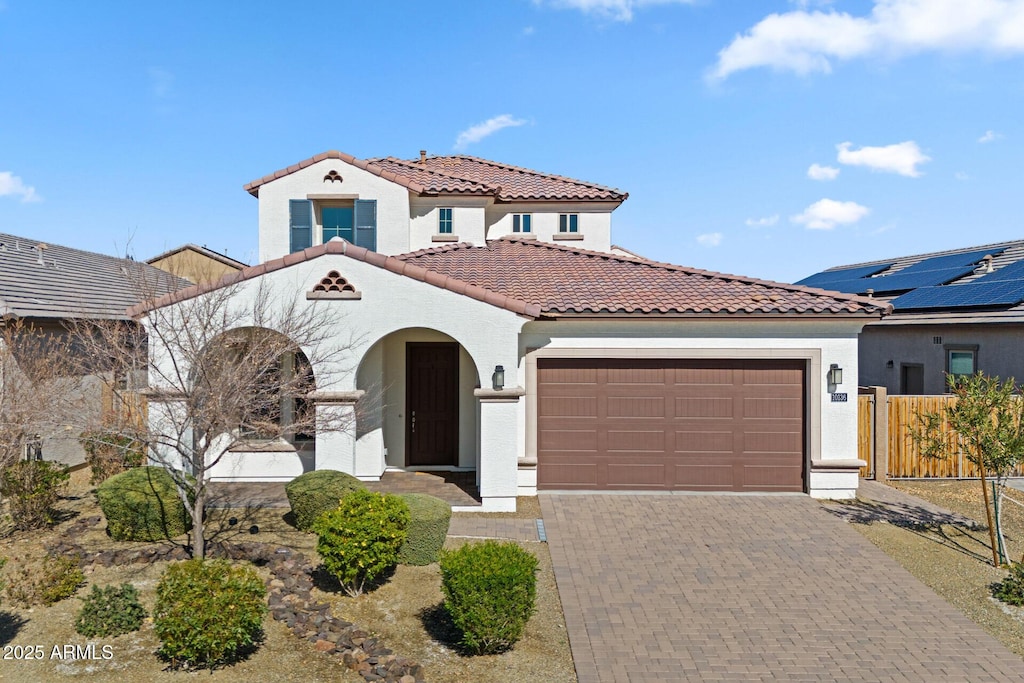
{"x": 289, "y": 600}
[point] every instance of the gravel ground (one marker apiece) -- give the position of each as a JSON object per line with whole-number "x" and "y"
{"x": 404, "y": 612}
{"x": 954, "y": 560}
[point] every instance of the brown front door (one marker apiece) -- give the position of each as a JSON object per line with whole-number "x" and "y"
{"x": 432, "y": 403}
{"x": 704, "y": 425}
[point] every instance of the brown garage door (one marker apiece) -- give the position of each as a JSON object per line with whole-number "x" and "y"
{"x": 713, "y": 425}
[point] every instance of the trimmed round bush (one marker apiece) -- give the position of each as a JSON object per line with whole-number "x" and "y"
{"x": 208, "y": 612}
{"x": 314, "y": 493}
{"x": 428, "y": 526}
{"x": 359, "y": 540}
{"x": 489, "y": 590}
{"x": 110, "y": 611}
{"x": 142, "y": 504}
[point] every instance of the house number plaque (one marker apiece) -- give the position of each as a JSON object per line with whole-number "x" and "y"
{"x": 839, "y": 398}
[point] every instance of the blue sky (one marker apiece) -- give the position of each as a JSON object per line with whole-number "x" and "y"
{"x": 770, "y": 138}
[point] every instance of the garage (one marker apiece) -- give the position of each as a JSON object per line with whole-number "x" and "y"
{"x": 671, "y": 424}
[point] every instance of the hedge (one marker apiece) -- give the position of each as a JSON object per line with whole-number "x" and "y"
{"x": 314, "y": 493}
{"x": 428, "y": 526}
{"x": 142, "y": 504}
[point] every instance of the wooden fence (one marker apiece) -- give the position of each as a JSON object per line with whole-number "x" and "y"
{"x": 904, "y": 458}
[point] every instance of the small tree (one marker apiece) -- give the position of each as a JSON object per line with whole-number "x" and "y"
{"x": 986, "y": 424}
{"x": 39, "y": 394}
{"x": 227, "y": 366}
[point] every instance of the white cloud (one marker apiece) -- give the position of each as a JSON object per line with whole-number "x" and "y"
{"x": 819, "y": 172}
{"x": 804, "y": 41}
{"x": 161, "y": 82}
{"x": 826, "y": 214}
{"x": 616, "y": 10}
{"x": 989, "y": 136}
{"x": 711, "y": 239}
{"x": 479, "y": 131}
{"x": 529, "y": 30}
{"x": 13, "y": 186}
{"x": 960, "y": 175}
{"x": 762, "y": 222}
{"x": 902, "y": 158}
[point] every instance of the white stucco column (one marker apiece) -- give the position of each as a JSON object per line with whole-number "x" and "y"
{"x": 497, "y": 467}
{"x": 336, "y": 434}
{"x": 166, "y": 416}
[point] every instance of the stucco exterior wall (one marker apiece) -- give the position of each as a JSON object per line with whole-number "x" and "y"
{"x": 998, "y": 352}
{"x": 392, "y": 205}
{"x": 831, "y": 427}
{"x": 595, "y": 223}
{"x": 193, "y": 266}
{"x": 393, "y": 309}
{"x": 467, "y": 221}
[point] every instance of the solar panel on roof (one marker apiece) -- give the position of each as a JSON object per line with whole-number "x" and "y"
{"x": 903, "y": 280}
{"x": 1012, "y": 271}
{"x": 971, "y": 295}
{"x": 967, "y": 258}
{"x": 842, "y": 275}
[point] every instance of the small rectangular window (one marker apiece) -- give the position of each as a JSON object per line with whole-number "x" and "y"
{"x": 521, "y": 222}
{"x": 961, "y": 363}
{"x": 444, "y": 221}
{"x": 568, "y": 222}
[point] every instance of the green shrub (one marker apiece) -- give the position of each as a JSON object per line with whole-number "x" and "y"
{"x": 359, "y": 540}
{"x": 1011, "y": 589}
{"x": 33, "y": 488}
{"x": 489, "y": 590}
{"x": 428, "y": 526}
{"x": 109, "y": 453}
{"x": 314, "y": 493}
{"x": 142, "y": 504}
{"x": 208, "y": 612}
{"x": 58, "y": 578}
{"x": 110, "y": 611}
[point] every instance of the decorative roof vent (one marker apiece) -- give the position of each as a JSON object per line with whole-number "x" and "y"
{"x": 334, "y": 286}
{"x": 333, "y": 176}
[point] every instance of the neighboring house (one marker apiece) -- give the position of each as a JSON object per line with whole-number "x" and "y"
{"x": 47, "y": 286}
{"x": 955, "y": 312}
{"x": 196, "y": 264}
{"x": 531, "y": 360}
{"x": 394, "y": 206}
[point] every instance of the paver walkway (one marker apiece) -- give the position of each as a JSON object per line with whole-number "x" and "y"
{"x": 715, "y": 588}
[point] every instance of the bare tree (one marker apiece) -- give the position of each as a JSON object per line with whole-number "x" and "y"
{"x": 40, "y": 395}
{"x": 228, "y": 368}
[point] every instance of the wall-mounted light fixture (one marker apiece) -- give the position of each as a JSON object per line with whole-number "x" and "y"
{"x": 499, "y": 377}
{"x": 889, "y": 364}
{"x": 835, "y": 375}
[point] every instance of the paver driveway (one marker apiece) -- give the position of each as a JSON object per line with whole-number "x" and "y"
{"x": 680, "y": 587}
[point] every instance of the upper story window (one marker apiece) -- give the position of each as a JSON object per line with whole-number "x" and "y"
{"x": 521, "y": 222}
{"x": 338, "y": 221}
{"x": 355, "y": 222}
{"x": 568, "y": 222}
{"x": 444, "y": 221}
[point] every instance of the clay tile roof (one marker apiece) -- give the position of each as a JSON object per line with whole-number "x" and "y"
{"x": 504, "y": 181}
{"x": 462, "y": 175}
{"x": 562, "y": 280}
{"x": 535, "y": 279}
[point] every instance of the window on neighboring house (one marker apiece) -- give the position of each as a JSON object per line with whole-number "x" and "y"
{"x": 356, "y": 223}
{"x": 521, "y": 222}
{"x": 568, "y": 222}
{"x": 961, "y": 362}
{"x": 444, "y": 221}
{"x": 33, "y": 448}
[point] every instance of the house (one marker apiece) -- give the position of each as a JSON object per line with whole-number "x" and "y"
{"x": 47, "y": 286}
{"x": 956, "y": 312}
{"x": 196, "y": 264}
{"x": 394, "y": 206}
{"x": 527, "y": 352}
